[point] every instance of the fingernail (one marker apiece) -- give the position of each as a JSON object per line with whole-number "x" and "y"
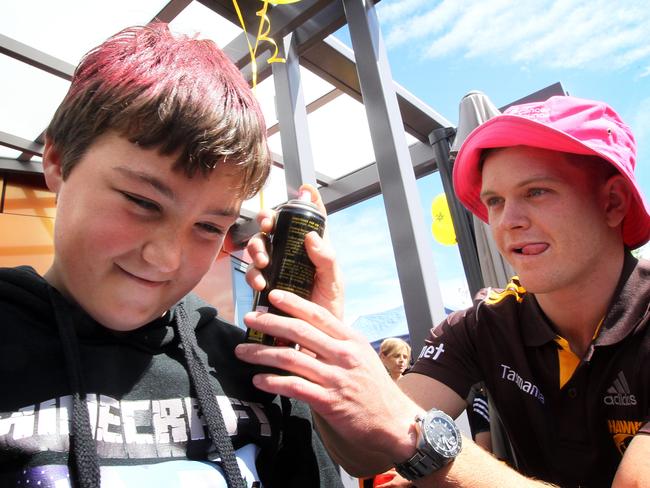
{"x": 304, "y": 195}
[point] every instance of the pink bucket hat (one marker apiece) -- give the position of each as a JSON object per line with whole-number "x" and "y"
{"x": 561, "y": 123}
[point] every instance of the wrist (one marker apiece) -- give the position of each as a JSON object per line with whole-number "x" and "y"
{"x": 406, "y": 441}
{"x": 438, "y": 443}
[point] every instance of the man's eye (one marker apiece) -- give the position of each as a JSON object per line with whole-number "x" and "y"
{"x": 493, "y": 201}
{"x": 141, "y": 202}
{"x": 535, "y": 192}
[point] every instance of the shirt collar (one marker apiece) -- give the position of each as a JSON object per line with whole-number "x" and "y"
{"x": 535, "y": 327}
{"x": 631, "y": 302}
{"x": 630, "y": 305}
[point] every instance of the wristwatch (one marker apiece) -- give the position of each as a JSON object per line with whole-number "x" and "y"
{"x": 438, "y": 443}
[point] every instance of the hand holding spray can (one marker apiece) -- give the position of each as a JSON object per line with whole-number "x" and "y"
{"x": 290, "y": 268}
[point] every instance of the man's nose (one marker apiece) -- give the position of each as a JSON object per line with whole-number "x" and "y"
{"x": 513, "y": 215}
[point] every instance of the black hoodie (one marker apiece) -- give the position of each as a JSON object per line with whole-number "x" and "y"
{"x": 145, "y": 392}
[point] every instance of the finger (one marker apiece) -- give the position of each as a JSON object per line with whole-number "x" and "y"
{"x": 328, "y": 281}
{"x": 314, "y": 196}
{"x": 257, "y": 249}
{"x": 266, "y": 220}
{"x": 294, "y": 387}
{"x": 295, "y": 331}
{"x": 288, "y": 359}
{"x": 304, "y": 350}
{"x": 311, "y": 313}
{"x": 255, "y": 278}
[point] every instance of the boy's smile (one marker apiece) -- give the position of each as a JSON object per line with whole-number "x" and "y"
{"x": 132, "y": 237}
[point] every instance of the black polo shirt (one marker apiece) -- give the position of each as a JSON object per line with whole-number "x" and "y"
{"x": 574, "y": 435}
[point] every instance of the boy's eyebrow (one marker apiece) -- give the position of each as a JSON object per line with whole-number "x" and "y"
{"x": 147, "y": 178}
{"x": 167, "y": 191}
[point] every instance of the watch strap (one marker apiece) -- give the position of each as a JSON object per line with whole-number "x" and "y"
{"x": 417, "y": 466}
{"x": 425, "y": 460}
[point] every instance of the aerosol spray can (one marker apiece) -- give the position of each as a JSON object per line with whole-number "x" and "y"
{"x": 290, "y": 268}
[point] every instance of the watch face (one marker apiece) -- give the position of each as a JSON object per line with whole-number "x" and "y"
{"x": 442, "y": 434}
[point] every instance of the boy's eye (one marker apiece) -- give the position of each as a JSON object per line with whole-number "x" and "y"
{"x": 141, "y": 202}
{"x": 211, "y": 229}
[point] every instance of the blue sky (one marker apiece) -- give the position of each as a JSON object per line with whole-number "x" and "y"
{"x": 441, "y": 50}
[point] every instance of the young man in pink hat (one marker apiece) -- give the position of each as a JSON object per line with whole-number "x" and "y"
{"x": 563, "y": 349}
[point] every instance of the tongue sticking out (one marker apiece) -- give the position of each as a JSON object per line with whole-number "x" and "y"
{"x": 532, "y": 249}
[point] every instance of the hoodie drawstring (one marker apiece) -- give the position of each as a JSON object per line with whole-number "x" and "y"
{"x": 83, "y": 461}
{"x": 208, "y": 402}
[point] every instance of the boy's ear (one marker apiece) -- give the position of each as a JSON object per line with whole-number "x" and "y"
{"x": 52, "y": 166}
{"x": 617, "y": 199}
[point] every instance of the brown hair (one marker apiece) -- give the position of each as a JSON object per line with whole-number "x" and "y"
{"x": 173, "y": 93}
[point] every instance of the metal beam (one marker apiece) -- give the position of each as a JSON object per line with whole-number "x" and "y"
{"x": 321, "y": 179}
{"x": 415, "y": 267}
{"x": 315, "y": 105}
{"x": 34, "y": 57}
{"x": 461, "y": 218}
{"x": 170, "y": 11}
{"x": 539, "y": 95}
{"x": 327, "y": 57}
{"x": 282, "y": 21}
{"x": 335, "y": 62}
{"x": 292, "y": 117}
{"x": 19, "y": 144}
{"x": 15, "y": 166}
{"x": 364, "y": 183}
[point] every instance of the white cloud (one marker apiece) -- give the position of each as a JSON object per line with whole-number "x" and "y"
{"x": 396, "y": 10}
{"x": 645, "y": 72}
{"x": 592, "y": 34}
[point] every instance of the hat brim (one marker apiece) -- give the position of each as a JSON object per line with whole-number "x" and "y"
{"x": 512, "y": 130}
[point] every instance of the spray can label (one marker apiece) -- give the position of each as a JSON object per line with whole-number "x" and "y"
{"x": 290, "y": 269}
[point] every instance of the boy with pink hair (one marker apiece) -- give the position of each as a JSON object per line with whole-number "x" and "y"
{"x": 112, "y": 372}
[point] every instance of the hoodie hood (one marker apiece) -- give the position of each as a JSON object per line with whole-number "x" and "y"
{"x": 30, "y": 292}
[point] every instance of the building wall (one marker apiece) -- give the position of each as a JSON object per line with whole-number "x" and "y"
{"x": 27, "y": 212}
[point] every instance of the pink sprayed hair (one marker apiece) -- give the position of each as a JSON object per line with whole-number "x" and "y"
{"x": 171, "y": 92}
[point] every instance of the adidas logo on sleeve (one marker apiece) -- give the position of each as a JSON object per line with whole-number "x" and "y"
{"x": 619, "y": 393}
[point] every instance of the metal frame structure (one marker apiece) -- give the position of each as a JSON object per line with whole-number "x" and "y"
{"x": 301, "y": 31}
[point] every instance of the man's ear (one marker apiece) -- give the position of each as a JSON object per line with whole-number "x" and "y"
{"x": 52, "y": 166}
{"x": 617, "y": 198}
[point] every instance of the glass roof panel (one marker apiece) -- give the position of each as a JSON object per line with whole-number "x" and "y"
{"x": 274, "y": 192}
{"x": 265, "y": 94}
{"x": 340, "y": 144}
{"x": 28, "y": 98}
{"x": 313, "y": 87}
{"x": 67, "y": 29}
{"x": 340, "y": 137}
{"x": 196, "y": 18}
{"x": 5, "y": 152}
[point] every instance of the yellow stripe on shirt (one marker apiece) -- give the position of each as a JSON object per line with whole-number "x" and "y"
{"x": 567, "y": 359}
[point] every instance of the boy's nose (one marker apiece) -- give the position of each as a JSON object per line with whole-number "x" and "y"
{"x": 164, "y": 251}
